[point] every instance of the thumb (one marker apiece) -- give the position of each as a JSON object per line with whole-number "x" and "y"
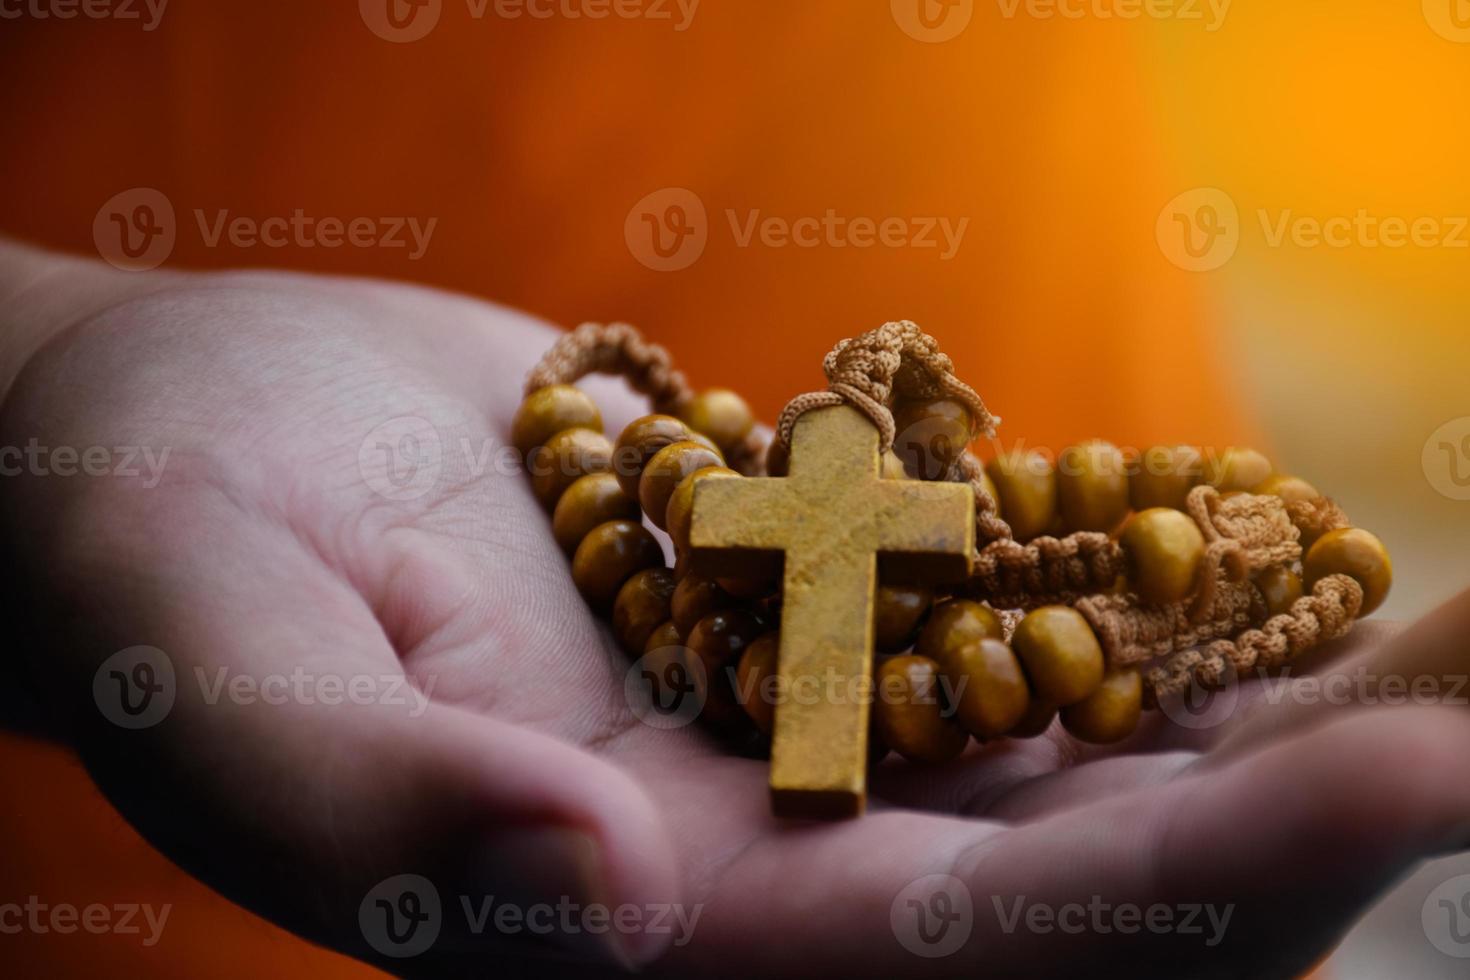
{"x": 289, "y": 763}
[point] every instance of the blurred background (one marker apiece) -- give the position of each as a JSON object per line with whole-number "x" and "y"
{"x": 1183, "y": 220}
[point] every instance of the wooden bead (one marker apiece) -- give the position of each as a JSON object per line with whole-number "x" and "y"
{"x": 681, "y": 504}
{"x": 665, "y": 636}
{"x": 550, "y": 410}
{"x": 720, "y": 414}
{"x": 1237, "y": 469}
{"x": 1292, "y": 489}
{"x": 1280, "y": 587}
{"x": 641, "y": 606}
{"x": 989, "y": 485}
{"x": 931, "y": 434}
{"x": 609, "y": 555}
{"x": 778, "y": 459}
{"x": 1060, "y": 653}
{"x": 957, "y": 623}
{"x": 565, "y": 458}
{"x": 695, "y": 597}
{"x": 911, "y": 713}
{"x": 1036, "y": 721}
{"x": 893, "y": 467}
{"x": 755, "y": 684}
{"x": 897, "y": 612}
{"x": 1356, "y": 553}
{"x": 1027, "y": 485}
{"x": 718, "y": 640}
{"x": 1092, "y": 487}
{"x": 592, "y": 500}
{"x": 1163, "y": 476}
{"x": 1165, "y": 550}
{"x": 640, "y": 442}
{"x": 990, "y": 690}
{"x": 1111, "y": 713}
{"x": 668, "y": 467}
{"x": 750, "y": 588}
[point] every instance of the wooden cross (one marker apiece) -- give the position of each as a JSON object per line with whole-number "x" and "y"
{"x": 831, "y": 518}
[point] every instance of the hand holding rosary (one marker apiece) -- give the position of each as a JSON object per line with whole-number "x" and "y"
{"x": 997, "y": 597}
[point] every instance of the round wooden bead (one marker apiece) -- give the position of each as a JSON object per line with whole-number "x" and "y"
{"x": 897, "y": 612}
{"x": 592, "y": 500}
{"x": 720, "y": 414}
{"x": 1165, "y": 550}
{"x": 1111, "y": 713}
{"x": 750, "y": 588}
{"x": 911, "y": 716}
{"x": 695, "y": 597}
{"x": 1292, "y": 489}
{"x": 990, "y": 690}
{"x": 550, "y": 410}
{"x": 755, "y": 681}
{"x": 565, "y": 458}
{"x": 990, "y": 488}
{"x": 1356, "y": 553}
{"x": 640, "y": 442}
{"x": 957, "y": 623}
{"x": 1280, "y": 587}
{"x": 1237, "y": 469}
{"x": 778, "y": 459}
{"x": 1036, "y": 721}
{"x": 681, "y": 503}
{"x": 1060, "y": 653}
{"x": 1163, "y": 477}
{"x": 609, "y": 555}
{"x": 668, "y": 467}
{"x": 1092, "y": 487}
{"x": 1027, "y": 485}
{"x": 718, "y": 640}
{"x": 893, "y": 467}
{"x": 665, "y": 636}
{"x": 931, "y": 434}
{"x": 641, "y": 606}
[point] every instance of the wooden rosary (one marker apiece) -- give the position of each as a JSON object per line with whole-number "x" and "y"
{"x": 997, "y": 596}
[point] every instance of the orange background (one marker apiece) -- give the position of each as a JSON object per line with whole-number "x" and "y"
{"x": 530, "y": 140}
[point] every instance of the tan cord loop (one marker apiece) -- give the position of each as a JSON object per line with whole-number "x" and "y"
{"x": 614, "y": 349}
{"x": 1243, "y": 534}
{"x": 1326, "y": 614}
{"x": 861, "y": 371}
{"x": 1314, "y": 518}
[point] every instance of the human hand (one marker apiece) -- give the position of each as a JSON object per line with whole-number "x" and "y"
{"x": 270, "y": 545}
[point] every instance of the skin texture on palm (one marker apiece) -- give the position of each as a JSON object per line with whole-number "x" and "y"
{"x": 264, "y": 549}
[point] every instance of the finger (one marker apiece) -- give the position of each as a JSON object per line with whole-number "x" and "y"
{"x": 1425, "y": 663}
{"x": 1289, "y": 843}
{"x": 291, "y": 768}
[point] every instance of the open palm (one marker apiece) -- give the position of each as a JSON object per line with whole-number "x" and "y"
{"x": 336, "y": 510}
